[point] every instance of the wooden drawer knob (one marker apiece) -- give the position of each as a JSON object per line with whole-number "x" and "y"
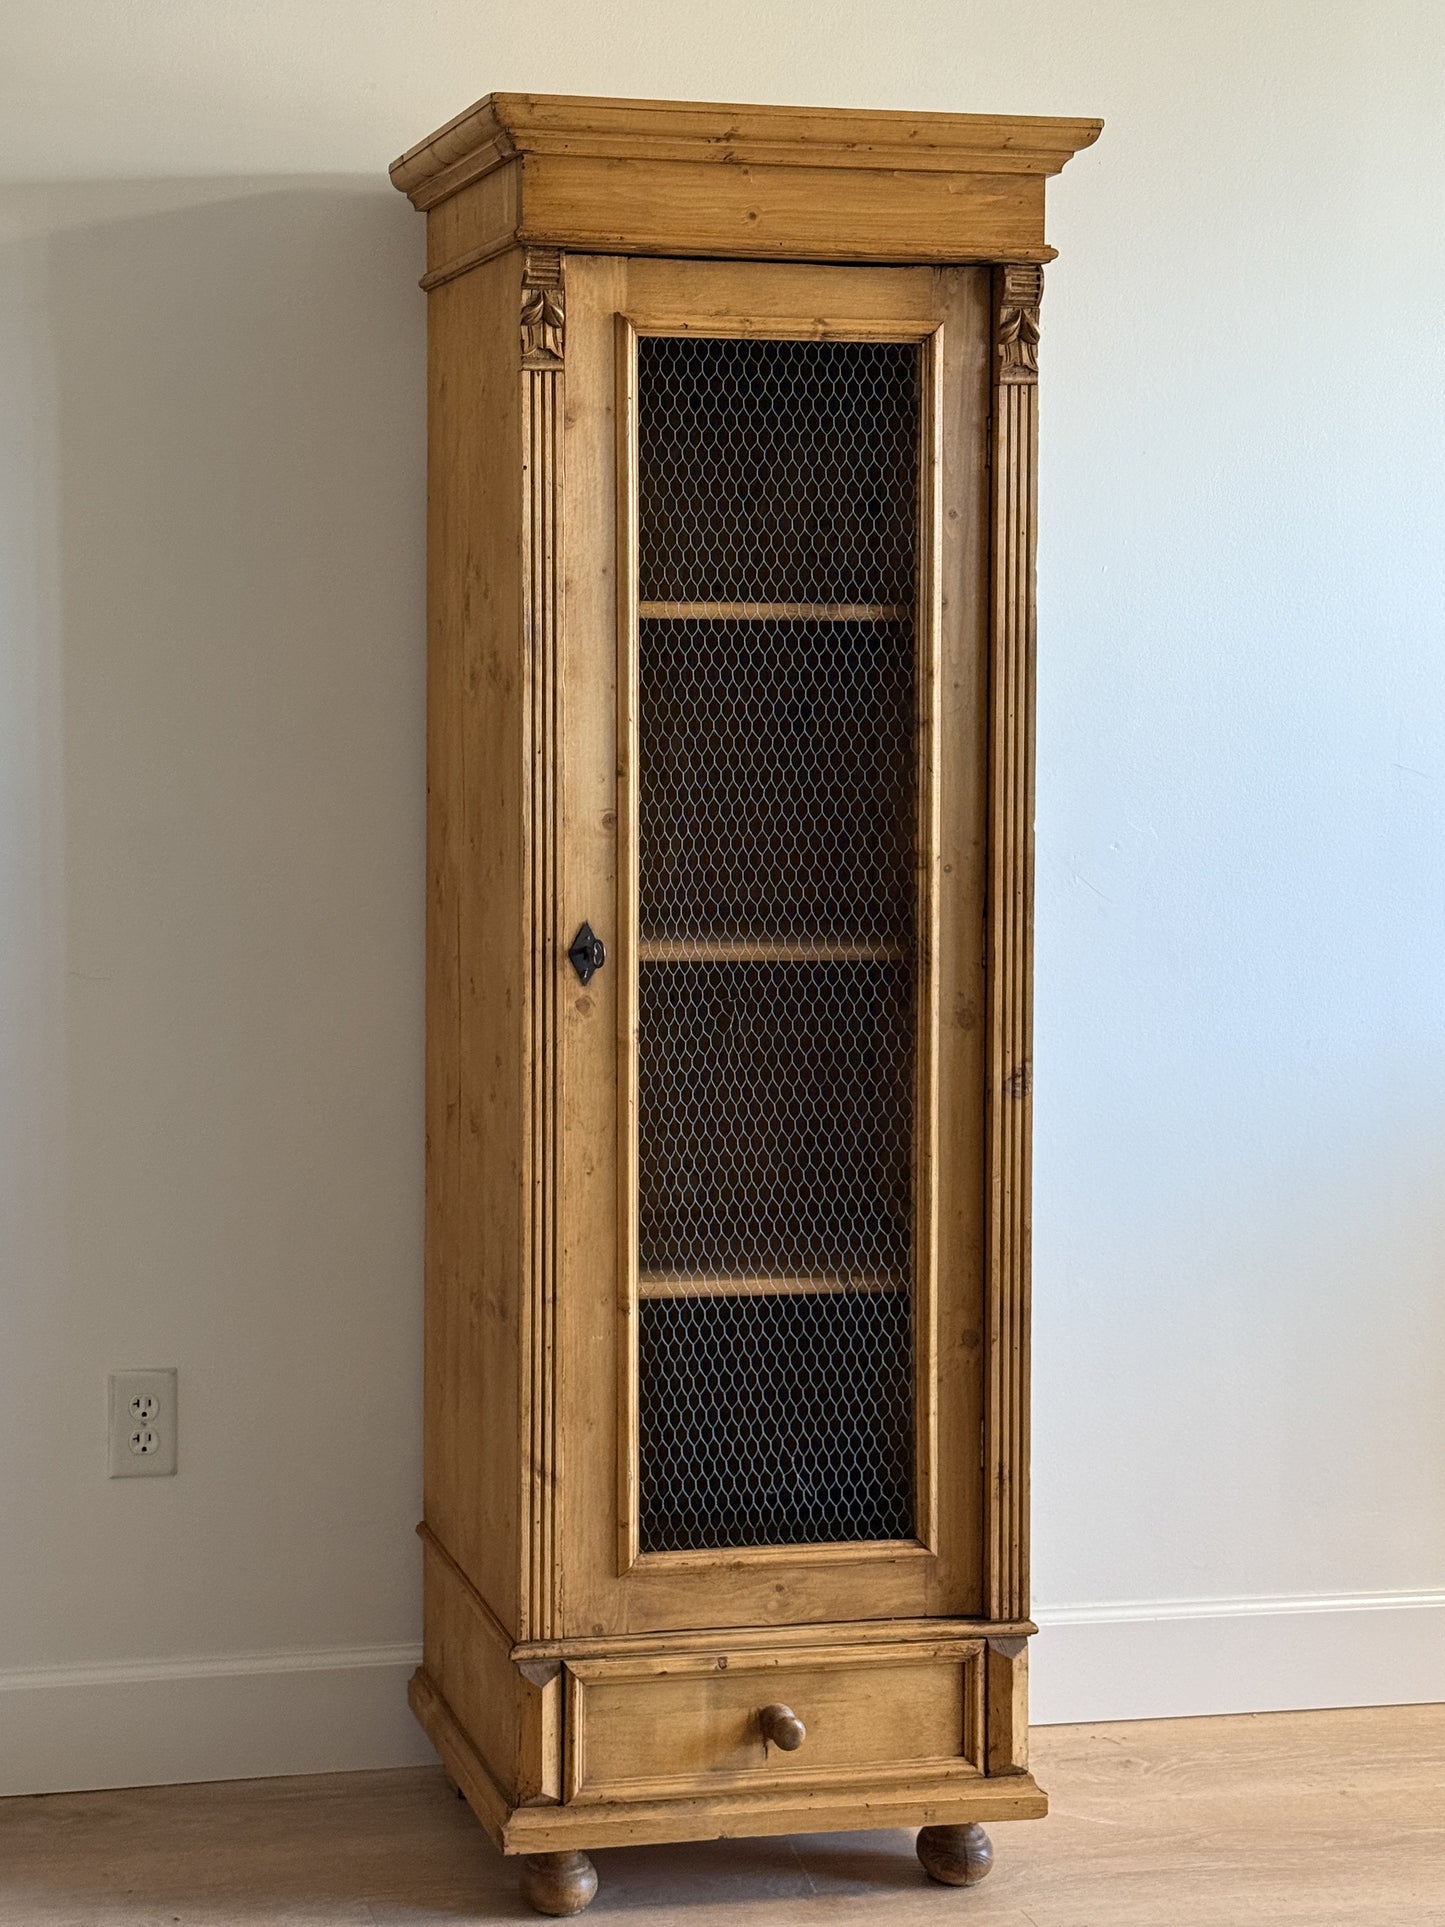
{"x": 782, "y": 1726}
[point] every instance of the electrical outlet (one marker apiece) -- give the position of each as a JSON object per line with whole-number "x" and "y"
{"x": 142, "y": 1424}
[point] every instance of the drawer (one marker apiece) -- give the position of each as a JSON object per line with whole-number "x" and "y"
{"x": 665, "y": 1726}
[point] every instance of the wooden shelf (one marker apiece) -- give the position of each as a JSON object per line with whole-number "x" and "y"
{"x": 662, "y": 1284}
{"x": 768, "y": 950}
{"x": 774, "y": 611}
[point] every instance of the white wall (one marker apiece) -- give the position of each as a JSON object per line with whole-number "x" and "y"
{"x": 211, "y": 422}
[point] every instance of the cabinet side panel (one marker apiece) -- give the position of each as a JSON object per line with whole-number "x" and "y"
{"x": 509, "y": 1717}
{"x": 477, "y": 933}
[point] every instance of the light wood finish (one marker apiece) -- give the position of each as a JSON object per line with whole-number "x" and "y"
{"x": 801, "y": 1638}
{"x": 664, "y": 1285}
{"x": 931, "y": 1174}
{"x": 762, "y": 306}
{"x": 501, "y": 126}
{"x": 582, "y": 1692}
{"x": 492, "y": 890}
{"x": 655, "y": 1729}
{"x": 478, "y": 1221}
{"x": 641, "y": 1812}
{"x": 541, "y": 322}
{"x": 512, "y": 1711}
{"x": 1007, "y": 1687}
{"x": 615, "y": 342}
{"x": 470, "y": 229}
{"x": 780, "y": 1563}
{"x": 955, "y": 1856}
{"x": 462, "y": 1761}
{"x": 1297, "y": 1819}
{"x": 610, "y": 1585}
{"x": 684, "y": 178}
{"x": 1017, "y": 292}
{"x": 960, "y": 813}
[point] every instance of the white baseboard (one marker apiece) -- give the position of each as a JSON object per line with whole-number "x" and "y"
{"x": 241, "y": 1716}
{"x": 1169, "y": 1659}
{"x": 252, "y": 1715}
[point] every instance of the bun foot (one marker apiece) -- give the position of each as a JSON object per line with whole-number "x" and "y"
{"x": 955, "y": 1856}
{"x": 558, "y": 1883}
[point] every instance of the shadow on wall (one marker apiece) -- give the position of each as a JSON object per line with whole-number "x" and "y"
{"x": 212, "y": 898}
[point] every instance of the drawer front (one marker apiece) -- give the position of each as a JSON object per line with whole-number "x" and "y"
{"x": 664, "y": 1727}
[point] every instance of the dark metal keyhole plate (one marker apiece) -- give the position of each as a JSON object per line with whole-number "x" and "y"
{"x": 588, "y": 953}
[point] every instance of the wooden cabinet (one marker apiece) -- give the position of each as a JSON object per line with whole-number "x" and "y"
{"x": 729, "y": 896}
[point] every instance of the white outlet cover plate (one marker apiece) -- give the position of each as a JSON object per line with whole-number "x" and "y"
{"x": 143, "y": 1404}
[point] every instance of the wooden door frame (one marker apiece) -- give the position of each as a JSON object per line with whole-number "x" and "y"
{"x": 773, "y": 1585}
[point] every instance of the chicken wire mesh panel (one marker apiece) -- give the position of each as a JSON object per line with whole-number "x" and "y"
{"x": 775, "y": 1123}
{"x": 777, "y": 471}
{"x": 777, "y": 781}
{"x": 777, "y": 885}
{"x": 771, "y": 1421}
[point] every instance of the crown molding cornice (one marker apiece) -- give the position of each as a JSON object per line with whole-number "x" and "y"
{"x": 686, "y": 177}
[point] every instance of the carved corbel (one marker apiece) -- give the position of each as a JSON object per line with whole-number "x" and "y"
{"x": 544, "y": 308}
{"x": 1017, "y": 333}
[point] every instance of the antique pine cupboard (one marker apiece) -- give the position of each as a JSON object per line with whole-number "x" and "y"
{"x": 732, "y": 460}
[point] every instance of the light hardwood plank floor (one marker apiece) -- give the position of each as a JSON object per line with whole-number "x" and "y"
{"x": 1296, "y": 1820}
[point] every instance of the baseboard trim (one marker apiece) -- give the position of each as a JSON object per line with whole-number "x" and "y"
{"x": 239, "y": 1716}
{"x": 233, "y": 1716}
{"x": 1266, "y": 1653}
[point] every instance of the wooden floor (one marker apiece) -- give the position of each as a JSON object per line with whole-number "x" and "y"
{"x": 1311, "y": 1819}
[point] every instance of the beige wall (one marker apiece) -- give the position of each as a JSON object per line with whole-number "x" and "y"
{"x": 211, "y": 426}
{"x": 211, "y": 436}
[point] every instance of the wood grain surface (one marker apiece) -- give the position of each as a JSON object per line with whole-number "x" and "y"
{"x": 698, "y": 178}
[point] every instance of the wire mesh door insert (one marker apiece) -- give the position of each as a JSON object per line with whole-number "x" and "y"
{"x": 777, "y": 889}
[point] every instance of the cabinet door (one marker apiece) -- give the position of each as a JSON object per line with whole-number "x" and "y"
{"x": 769, "y": 1159}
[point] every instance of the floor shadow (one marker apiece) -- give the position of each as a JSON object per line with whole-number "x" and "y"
{"x": 759, "y": 1872}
